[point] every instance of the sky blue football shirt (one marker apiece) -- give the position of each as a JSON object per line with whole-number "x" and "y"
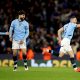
{"x": 19, "y": 30}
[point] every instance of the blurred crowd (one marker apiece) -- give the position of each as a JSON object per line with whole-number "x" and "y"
{"x": 45, "y": 18}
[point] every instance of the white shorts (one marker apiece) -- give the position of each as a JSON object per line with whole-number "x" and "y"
{"x": 65, "y": 45}
{"x": 16, "y": 45}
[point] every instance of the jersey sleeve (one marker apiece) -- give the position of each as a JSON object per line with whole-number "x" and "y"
{"x": 12, "y": 23}
{"x": 11, "y": 29}
{"x": 26, "y": 31}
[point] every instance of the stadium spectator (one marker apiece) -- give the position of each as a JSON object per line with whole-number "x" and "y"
{"x": 46, "y": 55}
{"x": 78, "y": 54}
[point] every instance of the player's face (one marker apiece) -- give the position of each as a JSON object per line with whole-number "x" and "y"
{"x": 22, "y": 17}
{"x": 74, "y": 20}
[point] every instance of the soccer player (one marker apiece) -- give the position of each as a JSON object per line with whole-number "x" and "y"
{"x": 18, "y": 32}
{"x": 67, "y": 30}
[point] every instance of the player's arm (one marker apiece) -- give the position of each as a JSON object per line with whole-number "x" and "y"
{"x": 27, "y": 32}
{"x": 60, "y": 33}
{"x": 11, "y": 31}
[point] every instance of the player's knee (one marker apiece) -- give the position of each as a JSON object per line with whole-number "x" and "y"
{"x": 61, "y": 54}
{"x": 24, "y": 51}
{"x": 71, "y": 54}
{"x": 15, "y": 52}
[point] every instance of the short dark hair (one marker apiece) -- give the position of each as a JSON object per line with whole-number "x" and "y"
{"x": 72, "y": 17}
{"x": 21, "y": 12}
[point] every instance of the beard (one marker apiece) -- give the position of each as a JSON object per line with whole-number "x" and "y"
{"x": 21, "y": 19}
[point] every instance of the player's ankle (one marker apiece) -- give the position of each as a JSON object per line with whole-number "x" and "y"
{"x": 75, "y": 68}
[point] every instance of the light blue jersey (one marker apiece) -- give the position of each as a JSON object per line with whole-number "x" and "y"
{"x": 69, "y": 30}
{"x": 19, "y": 30}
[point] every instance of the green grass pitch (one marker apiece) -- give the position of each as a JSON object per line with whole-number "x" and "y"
{"x": 7, "y": 73}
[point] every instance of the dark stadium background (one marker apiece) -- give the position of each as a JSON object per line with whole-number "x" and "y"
{"x": 45, "y": 18}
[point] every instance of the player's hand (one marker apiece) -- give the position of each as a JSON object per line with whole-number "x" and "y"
{"x": 7, "y": 33}
{"x": 21, "y": 42}
{"x": 11, "y": 39}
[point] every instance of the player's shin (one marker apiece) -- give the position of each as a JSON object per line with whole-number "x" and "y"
{"x": 73, "y": 62}
{"x": 15, "y": 62}
{"x": 76, "y": 69}
{"x": 25, "y": 61}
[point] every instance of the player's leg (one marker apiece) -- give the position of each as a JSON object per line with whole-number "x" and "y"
{"x": 72, "y": 59}
{"x": 24, "y": 48}
{"x": 61, "y": 54}
{"x": 15, "y": 59}
{"x": 25, "y": 59}
{"x": 56, "y": 53}
{"x": 73, "y": 62}
{"x": 15, "y": 48}
{"x": 61, "y": 51}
